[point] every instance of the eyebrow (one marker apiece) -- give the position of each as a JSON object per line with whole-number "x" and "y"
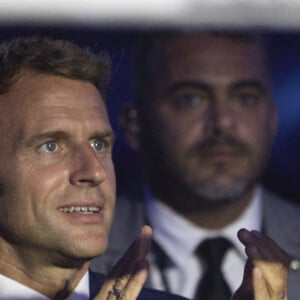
{"x": 45, "y": 135}
{"x": 250, "y": 83}
{"x": 106, "y": 134}
{"x": 177, "y": 86}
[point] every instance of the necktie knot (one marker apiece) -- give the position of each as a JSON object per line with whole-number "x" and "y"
{"x": 212, "y": 251}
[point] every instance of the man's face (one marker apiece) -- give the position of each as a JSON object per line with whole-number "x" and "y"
{"x": 211, "y": 121}
{"x": 57, "y": 181}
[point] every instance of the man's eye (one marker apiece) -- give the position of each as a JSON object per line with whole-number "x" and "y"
{"x": 188, "y": 100}
{"x": 98, "y": 145}
{"x": 248, "y": 99}
{"x": 49, "y": 146}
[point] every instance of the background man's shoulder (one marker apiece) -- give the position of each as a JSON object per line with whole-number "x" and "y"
{"x": 278, "y": 205}
{"x": 281, "y": 222}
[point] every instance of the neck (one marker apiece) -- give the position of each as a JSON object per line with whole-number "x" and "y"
{"x": 52, "y": 281}
{"x": 219, "y": 216}
{"x": 212, "y": 217}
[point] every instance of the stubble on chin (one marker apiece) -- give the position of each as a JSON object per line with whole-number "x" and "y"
{"x": 221, "y": 188}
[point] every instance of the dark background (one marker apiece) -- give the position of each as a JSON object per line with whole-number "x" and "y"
{"x": 282, "y": 174}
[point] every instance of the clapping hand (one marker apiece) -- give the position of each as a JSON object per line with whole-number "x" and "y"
{"x": 265, "y": 274}
{"x": 128, "y": 276}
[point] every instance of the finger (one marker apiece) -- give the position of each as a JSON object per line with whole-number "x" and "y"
{"x": 247, "y": 278}
{"x": 133, "y": 287}
{"x": 134, "y": 254}
{"x": 259, "y": 286}
{"x": 252, "y": 244}
{"x": 262, "y": 290}
{"x": 261, "y": 247}
{"x": 129, "y": 265}
{"x": 136, "y": 282}
{"x": 275, "y": 277}
{"x": 271, "y": 260}
{"x": 245, "y": 291}
{"x": 266, "y": 246}
{"x": 132, "y": 272}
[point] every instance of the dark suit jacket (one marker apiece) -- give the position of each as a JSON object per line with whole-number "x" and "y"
{"x": 96, "y": 280}
{"x": 281, "y": 221}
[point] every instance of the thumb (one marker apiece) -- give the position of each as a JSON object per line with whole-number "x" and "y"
{"x": 245, "y": 291}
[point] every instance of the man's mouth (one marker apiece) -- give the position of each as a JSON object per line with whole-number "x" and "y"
{"x": 86, "y": 210}
{"x": 223, "y": 150}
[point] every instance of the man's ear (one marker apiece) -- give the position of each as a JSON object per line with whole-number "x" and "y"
{"x": 129, "y": 122}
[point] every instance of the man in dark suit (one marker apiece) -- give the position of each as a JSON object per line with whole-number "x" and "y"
{"x": 57, "y": 181}
{"x": 203, "y": 122}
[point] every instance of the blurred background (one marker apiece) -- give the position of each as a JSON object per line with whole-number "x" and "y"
{"x": 114, "y": 26}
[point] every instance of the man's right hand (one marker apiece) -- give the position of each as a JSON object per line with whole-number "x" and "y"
{"x": 126, "y": 279}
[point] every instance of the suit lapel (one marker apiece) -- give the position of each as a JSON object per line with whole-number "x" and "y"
{"x": 96, "y": 280}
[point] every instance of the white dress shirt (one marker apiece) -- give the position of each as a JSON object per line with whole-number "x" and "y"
{"x": 179, "y": 238}
{"x": 14, "y": 290}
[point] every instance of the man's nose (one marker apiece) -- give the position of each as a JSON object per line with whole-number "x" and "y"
{"x": 87, "y": 168}
{"x": 222, "y": 115}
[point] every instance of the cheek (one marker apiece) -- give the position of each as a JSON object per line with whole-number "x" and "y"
{"x": 108, "y": 185}
{"x": 108, "y": 188}
{"x": 258, "y": 136}
{"x": 180, "y": 134}
{"x": 14, "y": 183}
{"x": 167, "y": 126}
{"x": 111, "y": 177}
{"x": 42, "y": 183}
{"x": 258, "y": 131}
{"x": 15, "y": 202}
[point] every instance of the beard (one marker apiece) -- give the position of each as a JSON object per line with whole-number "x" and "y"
{"x": 211, "y": 192}
{"x": 203, "y": 194}
{"x": 1, "y": 189}
{"x": 199, "y": 182}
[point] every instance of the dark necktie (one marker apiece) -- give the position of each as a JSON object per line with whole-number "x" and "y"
{"x": 212, "y": 285}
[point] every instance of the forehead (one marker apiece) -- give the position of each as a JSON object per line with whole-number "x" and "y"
{"x": 40, "y": 99}
{"x": 208, "y": 56}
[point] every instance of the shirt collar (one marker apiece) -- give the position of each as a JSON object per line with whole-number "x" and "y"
{"x": 179, "y": 238}
{"x": 12, "y": 290}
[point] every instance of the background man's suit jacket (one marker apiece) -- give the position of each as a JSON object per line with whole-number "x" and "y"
{"x": 281, "y": 221}
{"x": 97, "y": 279}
